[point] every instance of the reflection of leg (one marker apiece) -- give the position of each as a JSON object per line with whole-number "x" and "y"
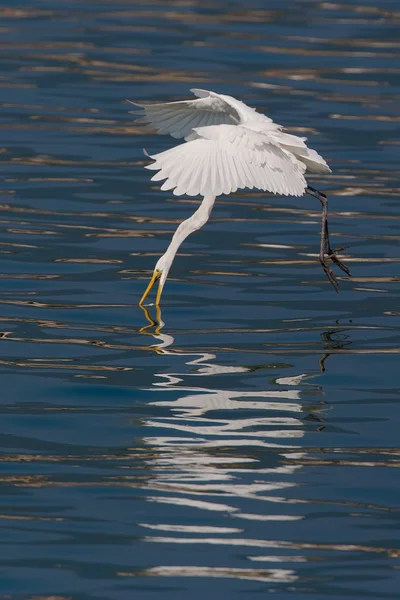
{"x": 325, "y": 246}
{"x": 335, "y": 340}
{"x": 321, "y": 362}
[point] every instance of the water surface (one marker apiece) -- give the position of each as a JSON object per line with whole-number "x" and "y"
{"x": 244, "y": 441}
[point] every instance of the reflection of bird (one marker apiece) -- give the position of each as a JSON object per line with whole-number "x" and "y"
{"x": 229, "y": 147}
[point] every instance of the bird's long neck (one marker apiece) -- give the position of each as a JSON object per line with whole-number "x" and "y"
{"x": 193, "y": 223}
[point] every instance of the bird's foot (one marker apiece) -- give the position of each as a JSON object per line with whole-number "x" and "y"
{"x": 337, "y": 250}
{"x": 332, "y": 255}
{"x": 329, "y": 273}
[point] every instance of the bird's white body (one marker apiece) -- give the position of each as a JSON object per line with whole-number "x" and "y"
{"x": 228, "y": 146}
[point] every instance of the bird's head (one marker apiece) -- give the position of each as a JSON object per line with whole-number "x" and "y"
{"x": 160, "y": 274}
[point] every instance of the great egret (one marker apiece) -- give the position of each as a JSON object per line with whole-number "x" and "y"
{"x": 229, "y": 146}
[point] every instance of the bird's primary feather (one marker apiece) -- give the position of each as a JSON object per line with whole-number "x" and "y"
{"x": 297, "y": 146}
{"x": 180, "y": 118}
{"x": 286, "y": 156}
{"x": 225, "y": 158}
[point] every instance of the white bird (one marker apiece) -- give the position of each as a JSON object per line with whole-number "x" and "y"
{"x": 229, "y": 146}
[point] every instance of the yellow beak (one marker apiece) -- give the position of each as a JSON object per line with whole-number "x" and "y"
{"x": 156, "y": 276}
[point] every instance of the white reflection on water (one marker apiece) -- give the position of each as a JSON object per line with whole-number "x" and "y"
{"x": 210, "y": 456}
{"x": 265, "y": 575}
{"x": 190, "y": 409}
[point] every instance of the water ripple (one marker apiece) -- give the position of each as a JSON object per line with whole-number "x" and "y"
{"x": 246, "y": 439}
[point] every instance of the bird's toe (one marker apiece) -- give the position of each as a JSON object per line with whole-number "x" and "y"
{"x": 330, "y": 274}
{"x": 333, "y": 257}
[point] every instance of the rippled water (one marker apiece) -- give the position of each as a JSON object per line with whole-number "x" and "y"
{"x": 246, "y": 440}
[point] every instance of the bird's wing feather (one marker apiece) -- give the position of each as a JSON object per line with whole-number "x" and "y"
{"x": 180, "y": 118}
{"x": 312, "y": 160}
{"x": 297, "y": 146}
{"x": 226, "y": 158}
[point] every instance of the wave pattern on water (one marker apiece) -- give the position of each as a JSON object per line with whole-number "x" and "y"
{"x": 247, "y": 439}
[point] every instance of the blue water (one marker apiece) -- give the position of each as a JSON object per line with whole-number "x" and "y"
{"x": 245, "y": 441}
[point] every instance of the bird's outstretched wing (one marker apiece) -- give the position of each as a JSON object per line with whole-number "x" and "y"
{"x": 180, "y": 118}
{"x": 297, "y": 146}
{"x": 226, "y": 158}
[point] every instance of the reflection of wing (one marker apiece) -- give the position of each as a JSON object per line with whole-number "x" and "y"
{"x": 201, "y": 440}
{"x": 197, "y": 404}
{"x": 293, "y": 380}
{"x": 220, "y": 160}
{"x": 264, "y": 575}
{"x": 180, "y": 118}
